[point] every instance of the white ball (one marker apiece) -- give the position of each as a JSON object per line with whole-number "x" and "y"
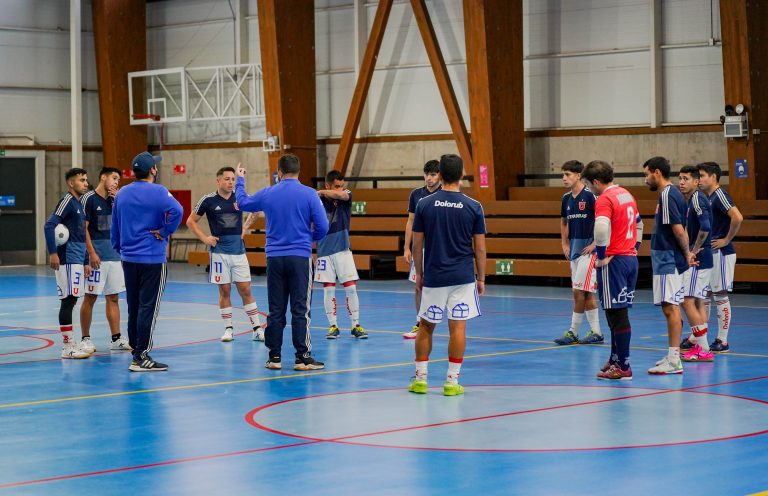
{"x": 61, "y": 234}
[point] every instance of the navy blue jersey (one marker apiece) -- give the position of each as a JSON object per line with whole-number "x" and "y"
{"x": 225, "y": 221}
{"x": 665, "y": 252}
{"x": 339, "y": 213}
{"x": 417, "y": 195}
{"x": 579, "y": 213}
{"x": 98, "y": 213}
{"x": 70, "y": 213}
{"x": 700, "y": 219}
{"x": 449, "y": 221}
{"x": 721, "y": 203}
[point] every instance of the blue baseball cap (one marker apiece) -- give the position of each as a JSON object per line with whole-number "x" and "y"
{"x": 145, "y": 161}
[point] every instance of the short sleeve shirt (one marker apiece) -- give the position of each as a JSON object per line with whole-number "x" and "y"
{"x": 579, "y": 213}
{"x": 98, "y": 213}
{"x": 620, "y": 208}
{"x": 339, "y": 213}
{"x": 721, "y": 203}
{"x": 225, "y": 221}
{"x": 700, "y": 219}
{"x": 666, "y": 254}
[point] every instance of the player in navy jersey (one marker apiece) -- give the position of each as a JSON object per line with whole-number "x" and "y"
{"x": 670, "y": 258}
{"x": 106, "y": 270}
{"x": 577, "y": 224}
{"x": 448, "y": 243}
{"x": 726, "y": 221}
{"x": 334, "y": 258}
{"x": 228, "y": 261}
{"x": 69, "y": 259}
{"x": 431, "y": 184}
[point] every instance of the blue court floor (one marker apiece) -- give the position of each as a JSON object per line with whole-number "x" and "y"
{"x": 534, "y": 420}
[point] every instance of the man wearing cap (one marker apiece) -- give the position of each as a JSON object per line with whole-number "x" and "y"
{"x": 144, "y": 215}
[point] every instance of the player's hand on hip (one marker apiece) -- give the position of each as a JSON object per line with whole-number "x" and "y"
{"x": 588, "y": 249}
{"x": 718, "y": 243}
{"x": 156, "y": 234}
{"x": 211, "y": 241}
{"x": 239, "y": 170}
{"x": 54, "y": 261}
{"x": 603, "y": 262}
{"x": 408, "y": 256}
{"x": 480, "y": 288}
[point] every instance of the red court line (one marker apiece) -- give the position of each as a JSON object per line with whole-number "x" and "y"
{"x": 48, "y": 344}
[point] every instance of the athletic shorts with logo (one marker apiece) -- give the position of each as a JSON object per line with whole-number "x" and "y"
{"x": 696, "y": 283}
{"x": 583, "y": 276}
{"x": 108, "y": 279}
{"x": 668, "y": 288}
{"x": 616, "y": 282}
{"x": 70, "y": 280}
{"x": 226, "y": 269}
{"x": 723, "y": 267}
{"x": 338, "y": 266}
{"x": 459, "y": 302}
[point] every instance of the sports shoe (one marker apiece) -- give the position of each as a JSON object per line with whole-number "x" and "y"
{"x": 147, "y": 365}
{"x": 412, "y": 333}
{"x": 359, "y": 333}
{"x": 257, "y": 334}
{"x": 120, "y": 345}
{"x": 228, "y": 335}
{"x": 274, "y": 363}
{"x": 568, "y": 337}
{"x": 87, "y": 345}
{"x": 452, "y": 389}
{"x": 697, "y": 354}
{"x": 686, "y": 344}
{"x": 610, "y": 363}
{"x": 719, "y": 347}
{"x": 307, "y": 363}
{"x": 592, "y": 338}
{"x": 665, "y": 366}
{"x": 333, "y": 333}
{"x": 72, "y": 350}
{"x": 418, "y": 386}
{"x": 614, "y": 373}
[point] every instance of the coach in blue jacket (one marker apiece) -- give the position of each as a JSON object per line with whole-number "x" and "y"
{"x": 295, "y": 218}
{"x": 144, "y": 215}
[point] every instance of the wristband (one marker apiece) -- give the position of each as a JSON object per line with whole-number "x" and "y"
{"x": 600, "y": 250}
{"x": 637, "y": 245}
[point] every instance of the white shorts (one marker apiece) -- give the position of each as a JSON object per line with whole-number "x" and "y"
{"x": 70, "y": 280}
{"x": 108, "y": 279}
{"x": 583, "y": 273}
{"x": 339, "y": 266}
{"x": 226, "y": 269}
{"x": 461, "y": 303}
{"x": 668, "y": 288}
{"x": 696, "y": 283}
{"x": 722, "y": 272}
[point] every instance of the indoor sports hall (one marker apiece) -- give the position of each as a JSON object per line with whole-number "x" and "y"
{"x": 208, "y": 102}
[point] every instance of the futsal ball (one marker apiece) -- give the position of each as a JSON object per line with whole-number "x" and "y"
{"x": 61, "y": 233}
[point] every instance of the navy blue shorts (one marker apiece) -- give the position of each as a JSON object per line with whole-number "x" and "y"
{"x": 616, "y": 282}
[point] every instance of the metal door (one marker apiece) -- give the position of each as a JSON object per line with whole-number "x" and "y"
{"x": 17, "y": 211}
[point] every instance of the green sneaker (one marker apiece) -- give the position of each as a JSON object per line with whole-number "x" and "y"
{"x": 592, "y": 338}
{"x": 418, "y": 386}
{"x": 452, "y": 389}
{"x": 333, "y": 333}
{"x": 358, "y": 332}
{"x": 568, "y": 337}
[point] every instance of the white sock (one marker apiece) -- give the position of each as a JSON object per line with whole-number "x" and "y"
{"x": 353, "y": 304}
{"x": 454, "y": 368}
{"x": 723, "y": 317}
{"x": 576, "y": 319}
{"x": 67, "y": 335}
{"x": 707, "y": 308}
{"x": 329, "y": 302}
{"x": 252, "y": 311}
{"x": 701, "y": 339}
{"x": 674, "y": 353}
{"x": 421, "y": 368}
{"x": 226, "y": 315}
{"x": 593, "y": 317}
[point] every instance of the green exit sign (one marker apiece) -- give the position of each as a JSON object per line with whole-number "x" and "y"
{"x": 358, "y": 207}
{"x": 504, "y": 267}
{"x": 2, "y": 153}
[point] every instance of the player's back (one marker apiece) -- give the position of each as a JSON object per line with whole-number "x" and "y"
{"x": 619, "y": 206}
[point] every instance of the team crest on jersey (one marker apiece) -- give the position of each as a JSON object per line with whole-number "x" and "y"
{"x": 235, "y": 206}
{"x": 582, "y": 205}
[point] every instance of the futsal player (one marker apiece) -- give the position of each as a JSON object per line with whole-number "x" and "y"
{"x": 334, "y": 258}
{"x": 618, "y": 234}
{"x": 69, "y": 259}
{"x": 696, "y": 280}
{"x": 577, "y": 226}
{"x": 431, "y": 184}
{"x": 106, "y": 270}
{"x": 228, "y": 261}
{"x": 448, "y": 243}
{"x": 670, "y": 258}
{"x": 726, "y": 221}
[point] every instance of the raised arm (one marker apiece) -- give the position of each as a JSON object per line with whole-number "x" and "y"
{"x": 319, "y": 219}
{"x": 333, "y": 194}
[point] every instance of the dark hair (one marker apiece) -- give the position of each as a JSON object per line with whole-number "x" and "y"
{"x": 600, "y": 170}
{"x": 75, "y": 171}
{"x": 692, "y": 170}
{"x": 573, "y": 166}
{"x": 431, "y": 166}
{"x": 333, "y": 175}
{"x": 658, "y": 164}
{"x": 105, "y": 171}
{"x": 451, "y": 168}
{"x": 710, "y": 168}
{"x": 288, "y": 164}
{"x": 140, "y": 174}
{"x": 221, "y": 171}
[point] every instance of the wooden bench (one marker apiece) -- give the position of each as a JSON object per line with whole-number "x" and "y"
{"x": 357, "y": 243}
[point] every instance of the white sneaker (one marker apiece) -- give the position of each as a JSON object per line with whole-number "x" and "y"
{"x": 87, "y": 345}
{"x": 228, "y": 335}
{"x": 120, "y": 345}
{"x": 258, "y": 335}
{"x": 412, "y": 333}
{"x": 71, "y": 350}
{"x": 666, "y": 366}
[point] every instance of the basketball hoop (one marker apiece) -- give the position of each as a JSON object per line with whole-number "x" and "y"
{"x": 152, "y": 120}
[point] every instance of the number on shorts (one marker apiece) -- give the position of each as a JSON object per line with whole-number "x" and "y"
{"x": 630, "y": 222}
{"x": 321, "y": 265}
{"x": 95, "y": 276}
{"x": 218, "y": 267}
